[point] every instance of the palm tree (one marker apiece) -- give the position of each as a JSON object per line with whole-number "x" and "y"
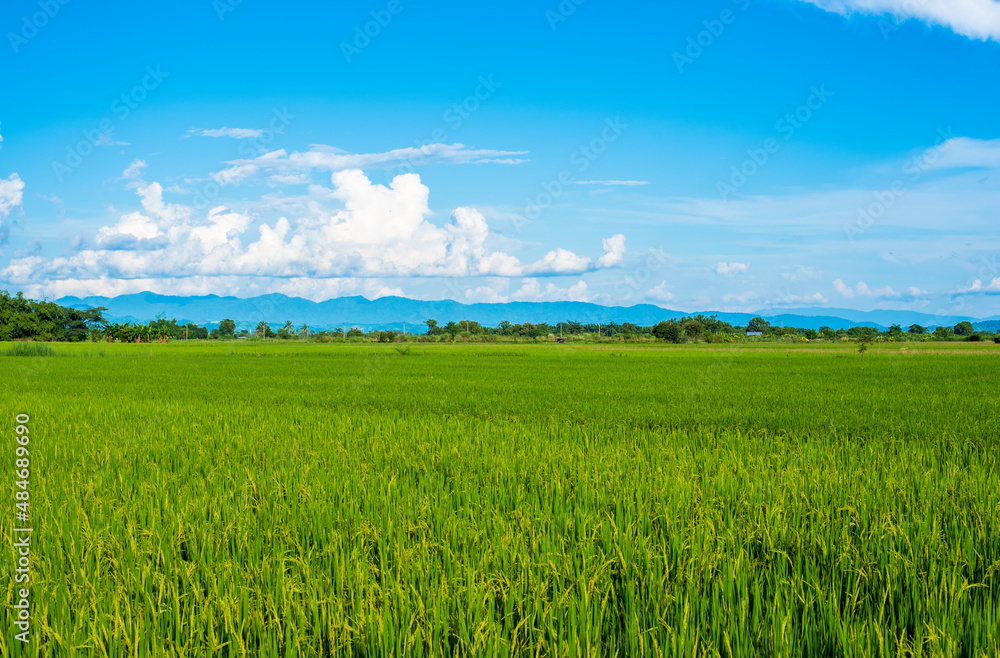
{"x": 112, "y": 331}
{"x": 304, "y": 331}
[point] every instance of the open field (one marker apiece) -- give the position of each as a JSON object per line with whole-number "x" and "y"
{"x": 293, "y": 500}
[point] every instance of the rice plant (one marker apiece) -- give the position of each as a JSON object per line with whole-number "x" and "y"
{"x": 703, "y": 501}
{"x": 29, "y": 349}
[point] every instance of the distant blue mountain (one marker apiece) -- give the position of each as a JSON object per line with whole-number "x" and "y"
{"x": 392, "y": 312}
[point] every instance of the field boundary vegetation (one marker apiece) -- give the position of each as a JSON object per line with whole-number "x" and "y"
{"x": 25, "y": 319}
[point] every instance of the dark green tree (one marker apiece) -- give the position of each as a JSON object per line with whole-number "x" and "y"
{"x": 669, "y": 331}
{"x": 759, "y": 324}
{"x": 227, "y": 329}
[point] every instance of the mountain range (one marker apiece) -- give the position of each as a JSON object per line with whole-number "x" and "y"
{"x": 392, "y": 312}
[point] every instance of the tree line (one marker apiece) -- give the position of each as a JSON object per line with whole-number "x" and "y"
{"x": 26, "y": 319}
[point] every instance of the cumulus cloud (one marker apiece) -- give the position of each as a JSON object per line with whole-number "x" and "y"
{"x": 375, "y": 231}
{"x": 134, "y": 231}
{"x": 532, "y": 290}
{"x": 328, "y": 158}
{"x": 614, "y": 251}
{"x": 560, "y": 261}
{"x": 134, "y": 170}
{"x": 863, "y": 290}
{"x": 660, "y": 293}
{"x": 237, "y": 133}
{"x": 978, "y": 286}
{"x": 11, "y": 194}
{"x": 730, "y": 269}
{"x": 976, "y": 19}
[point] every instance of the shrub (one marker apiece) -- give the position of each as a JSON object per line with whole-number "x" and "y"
{"x": 29, "y": 349}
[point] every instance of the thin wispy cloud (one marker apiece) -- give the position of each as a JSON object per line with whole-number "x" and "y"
{"x": 235, "y": 133}
{"x": 613, "y": 183}
{"x": 328, "y": 158}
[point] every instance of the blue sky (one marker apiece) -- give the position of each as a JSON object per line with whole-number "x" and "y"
{"x": 719, "y": 155}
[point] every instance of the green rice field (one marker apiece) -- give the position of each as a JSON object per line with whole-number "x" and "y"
{"x": 280, "y": 499}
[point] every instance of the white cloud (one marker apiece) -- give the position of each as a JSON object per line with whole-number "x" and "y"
{"x": 11, "y": 194}
{"x": 533, "y": 291}
{"x": 978, "y": 286}
{"x": 328, "y": 158}
{"x": 235, "y": 175}
{"x": 730, "y": 269}
{"x": 1, "y": 141}
{"x": 151, "y": 197}
{"x": 289, "y": 179}
{"x": 134, "y": 170}
{"x": 796, "y": 300}
{"x": 863, "y": 290}
{"x": 660, "y": 293}
{"x": 741, "y": 298}
{"x": 976, "y": 19}
{"x": 108, "y": 139}
{"x": 376, "y": 231}
{"x": 960, "y": 152}
{"x": 134, "y": 231}
{"x": 611, "y": 183}
{"x": 560, "y": 261}
{"x": 801, "y": 273}
{"x": 237, "y": 133}
{"x": 614, "y": 251}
